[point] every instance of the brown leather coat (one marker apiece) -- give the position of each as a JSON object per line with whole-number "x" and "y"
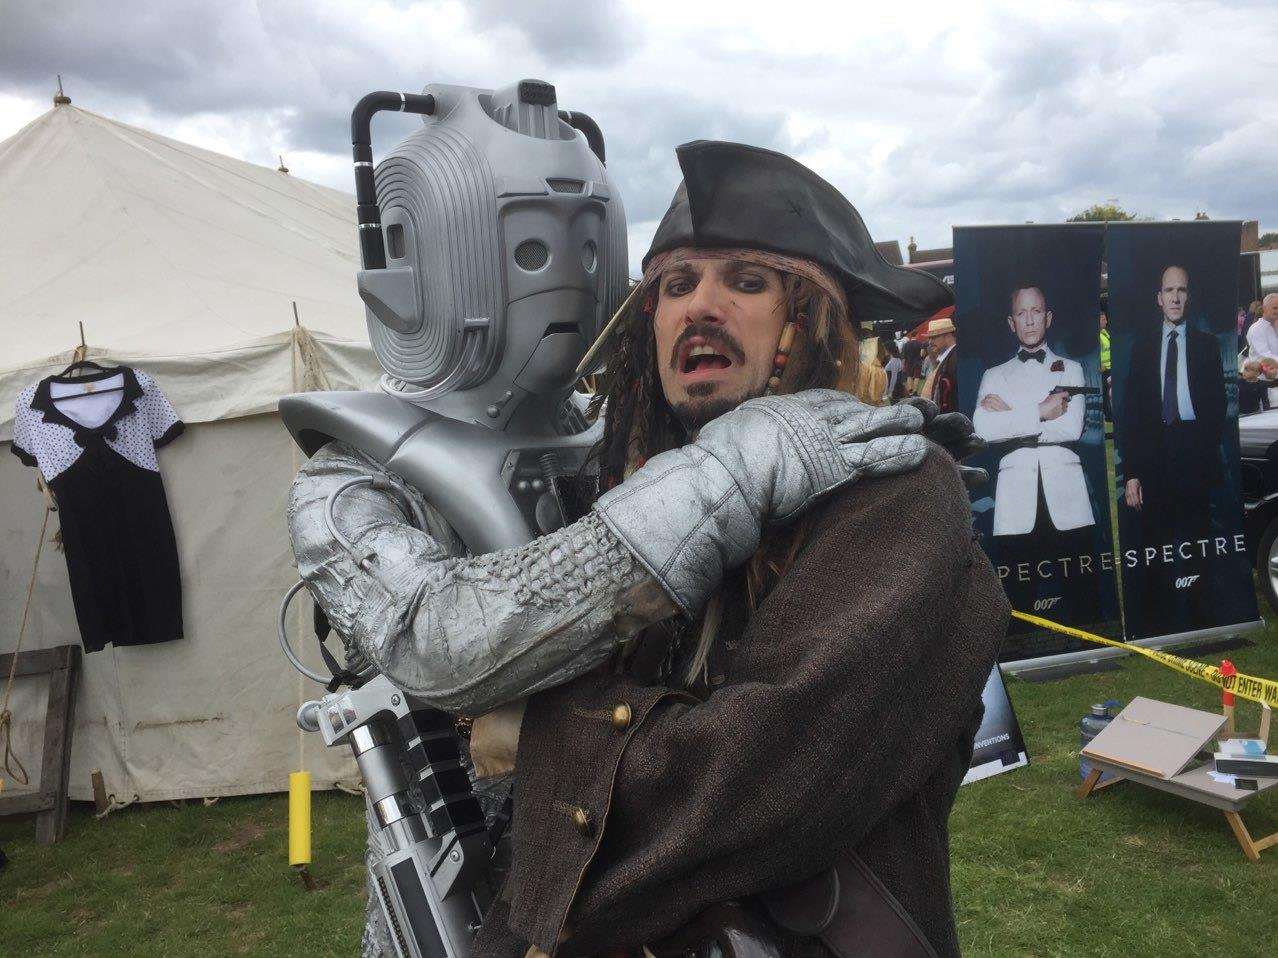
{"x": 841, "y": 718}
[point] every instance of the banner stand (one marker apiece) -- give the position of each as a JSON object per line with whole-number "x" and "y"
{"x": 1047, "y": 662}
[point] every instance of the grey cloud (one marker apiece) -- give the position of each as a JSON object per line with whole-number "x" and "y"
{"x": 188, "y": 57}
{"x": 1043, "y": 114}
{"x": 563, "y": 31}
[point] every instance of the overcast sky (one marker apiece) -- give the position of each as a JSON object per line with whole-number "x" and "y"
{"x": 926, "y": 115}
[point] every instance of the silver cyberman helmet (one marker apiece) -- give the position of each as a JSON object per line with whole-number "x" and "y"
{"x": 493, "y": 241}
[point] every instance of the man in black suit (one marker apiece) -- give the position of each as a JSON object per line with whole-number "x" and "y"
{"x": 1171, "y": 431}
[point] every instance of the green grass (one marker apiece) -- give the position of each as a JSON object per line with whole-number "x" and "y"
{"x": 1127, "y": 871}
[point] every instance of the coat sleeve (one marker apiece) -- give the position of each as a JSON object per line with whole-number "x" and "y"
{"x": 847, "y": 692}
{"x": 1019, "y": 421}
{"x": 1069, "y": 426}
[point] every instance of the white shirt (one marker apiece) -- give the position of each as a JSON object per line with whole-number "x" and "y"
{"x": 1184, "y": 404}
{"x": 1263, "y": 339}
{"x": 143, "y": 421}
{"x": 893, "y": 370}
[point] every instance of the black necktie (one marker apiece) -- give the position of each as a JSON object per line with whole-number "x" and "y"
{"x": 1171, "y": 408}
{"x": 1025, "y": 355}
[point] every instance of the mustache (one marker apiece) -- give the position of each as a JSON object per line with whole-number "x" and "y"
{"x": 714, "y": 337}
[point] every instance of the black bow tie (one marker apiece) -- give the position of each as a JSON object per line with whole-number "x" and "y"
{"x": 1025, "y": 355}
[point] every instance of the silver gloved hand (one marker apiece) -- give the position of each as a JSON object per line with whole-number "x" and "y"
{"x": 691, "y": 513}
{"x": 953, "y": 432}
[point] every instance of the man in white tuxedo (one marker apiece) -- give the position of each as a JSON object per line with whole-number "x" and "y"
{"x": 1042, "y": 507}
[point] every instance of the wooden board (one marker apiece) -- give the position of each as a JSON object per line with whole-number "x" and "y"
{"x": 1155, "y": 738}
{"x": 51, "y": 802}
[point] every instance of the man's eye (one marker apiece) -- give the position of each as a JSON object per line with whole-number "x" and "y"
{"x": 751, "y": 284}
{"x": 678, "y": 287}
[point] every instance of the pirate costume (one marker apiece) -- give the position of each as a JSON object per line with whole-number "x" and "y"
{"x": 831, "y": 724}
{"x": 825, "y": 747}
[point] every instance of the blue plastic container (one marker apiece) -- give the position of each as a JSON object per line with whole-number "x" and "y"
{"x": 1089, "y": 727}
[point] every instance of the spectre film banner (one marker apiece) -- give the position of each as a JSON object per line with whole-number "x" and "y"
{"x": 1027, "y": 318}
{"x": 1173, "y": 291}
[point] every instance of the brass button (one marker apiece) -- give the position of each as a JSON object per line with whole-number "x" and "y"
{"x": 585, "y": 824}
{"x": 621, "y": 716}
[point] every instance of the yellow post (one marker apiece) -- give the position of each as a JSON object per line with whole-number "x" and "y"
{"x": 299, "y": 818}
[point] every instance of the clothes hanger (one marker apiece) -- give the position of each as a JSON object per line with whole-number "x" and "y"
{"x": 83, "y": 364}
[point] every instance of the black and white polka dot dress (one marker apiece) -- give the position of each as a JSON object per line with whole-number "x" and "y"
{"x": 93, "y": 438}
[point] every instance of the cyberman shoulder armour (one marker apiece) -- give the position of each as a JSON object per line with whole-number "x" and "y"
{"x": 493, "y": 244}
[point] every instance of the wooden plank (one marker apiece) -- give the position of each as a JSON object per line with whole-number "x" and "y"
{"x": 1260, "y": 844}
{"x": 1089, "y": 783}
{"x": 100, "y": 801}
{"x": 1194, "y": 785}
{"x": 1243, "y": 836}
{"x": 38, "y": 661}
{"x": 1154, "y": 738}
{"x": 25, "y": 804}
{"x": 1112, "y": 780}
{"x": 51, "y": 804}
{"x": 59, "y": 724}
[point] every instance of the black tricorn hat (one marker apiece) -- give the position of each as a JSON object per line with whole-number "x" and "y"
{"x": 738, "y": 195}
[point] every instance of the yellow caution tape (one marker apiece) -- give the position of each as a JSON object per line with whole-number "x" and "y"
{"x": 1250, "y": 687}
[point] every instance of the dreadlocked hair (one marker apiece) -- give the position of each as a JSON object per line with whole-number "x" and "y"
{"x": 640, "y": 423}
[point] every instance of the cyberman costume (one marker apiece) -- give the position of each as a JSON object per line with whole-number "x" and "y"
{"x": 439, "y": 525}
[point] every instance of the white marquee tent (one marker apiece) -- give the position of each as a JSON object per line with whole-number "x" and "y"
{"x": 188, "y": 265}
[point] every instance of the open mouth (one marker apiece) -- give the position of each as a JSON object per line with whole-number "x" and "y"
{"x": 701, "y": 359}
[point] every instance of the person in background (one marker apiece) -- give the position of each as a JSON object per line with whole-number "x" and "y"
{"x": 912, "y": 364}
{"x": 1251, "y": 390}
{"x": 941, "y": 385}
{"x": 871, "y": 380}
{"x": 1262, "y": 344}
{"x": 1253, "y": 314}
{"x": 1262, "y": 335}
{"x": 894, "y": 367}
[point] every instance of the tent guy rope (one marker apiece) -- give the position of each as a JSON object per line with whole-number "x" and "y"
{"x": 19, "y": 774}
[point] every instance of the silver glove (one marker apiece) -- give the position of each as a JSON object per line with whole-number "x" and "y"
{"x": 692, "y": 513}
{"x": 465, "y": 634}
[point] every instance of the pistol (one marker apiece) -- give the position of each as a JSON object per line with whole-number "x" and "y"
{"x": 1073, "y": 391}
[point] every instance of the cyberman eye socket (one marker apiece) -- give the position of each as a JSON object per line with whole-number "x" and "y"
{"x": 532, "y": 255}
{"x": 589, "y": 256}
{"x": 395, "y": 241}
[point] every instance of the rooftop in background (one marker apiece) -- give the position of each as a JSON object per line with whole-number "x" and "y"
{"x": 890, "y": 250}
{"x": 940, "y": 254}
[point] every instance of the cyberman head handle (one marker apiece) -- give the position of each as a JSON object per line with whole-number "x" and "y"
{"x": 493, "y": 245}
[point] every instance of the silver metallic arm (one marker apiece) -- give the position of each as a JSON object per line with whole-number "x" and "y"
{"x": 465, "y": 634}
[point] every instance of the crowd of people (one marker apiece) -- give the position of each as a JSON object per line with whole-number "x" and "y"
{"x": 1259, "y": 367}
{"x": 923, "y": 363}
{"x": 919, "y": 364}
